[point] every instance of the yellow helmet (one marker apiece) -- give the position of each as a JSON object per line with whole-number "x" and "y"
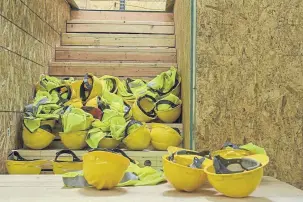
{"x": 137, "y": 135}
{"x": 66, "y": 96}
{"x": 143, "y": 109}
{"x": 104, "y": 169}
{"x": 236, "y": 177}
{"x": 168, "y": 109}
{"x": 38, "y": 139}
{"x": 75, "y": 85}
{"x": 90, "y": 88}
{"x": 70, "y": 165}
{"x": 108, "y": 142}
{"x": 74, "y": 140}
{"x": 185, "y": 175}
{"x": 163, "y": 136}
{"x": 109, "y": 83}
{"x": 16, "y": 164}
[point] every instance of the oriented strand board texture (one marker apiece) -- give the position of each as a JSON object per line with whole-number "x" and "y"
{"x": 250, "y": 79}
{"x": 30, "y": 30}
{"x": 182, "y": 17}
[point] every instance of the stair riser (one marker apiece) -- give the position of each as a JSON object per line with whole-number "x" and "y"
{"x": 115, "y": 56}
{"x": 131, "y": 40}
{"x": 127, "y": 16}
{"x": 113, "y": 71}
{"x": 113, "y": 28}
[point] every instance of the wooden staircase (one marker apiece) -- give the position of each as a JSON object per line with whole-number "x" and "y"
{"x": 122, "y": 44}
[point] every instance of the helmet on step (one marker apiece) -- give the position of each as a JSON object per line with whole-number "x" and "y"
{"x": 166, "y": 82}
{"x": 16, "y": 164}
{"x": 168, "y": 109}
{"x": 236, "y": 177}
{"x": 74, "y": 140}
{"x": 36, "y": 135}
{"x": 108, "y": 142}
{"x": 143, "y": 109}
{"x": 185, "y": 175}
{"x": 137, "y": 135}
{"x": 104, "y": 169}
{"x": 65, "y": 96}
{"x": 109, "y": 83}
{"x": 163, "y": 136}
{"x": 90, "y": 88}
{"x": 68, "y": 165}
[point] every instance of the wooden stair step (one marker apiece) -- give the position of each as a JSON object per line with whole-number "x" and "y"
{"x": 149, "y": 40}
{"x": 155, "y": 157}
{"x": 127, "y": 16}
{"x": 82, "y": 53}
{"x": 112, "y": 68}
{"x": 100, "y": 26}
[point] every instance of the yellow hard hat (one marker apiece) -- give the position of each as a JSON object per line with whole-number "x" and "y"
{"x": 109, "y": 83}
{"x": 168, "y": 109}
{"x": 74, "y": 140}
{"x": 137, "y": 135}
{"x": 143, "y": 109}
{"x": 108, "y": 142}
{"x": 70, "y": 165}
{"x": 104, "y": 169}
{"x": 185, "y": 175}
{"x": 90, "y": 88}
{"x": 236, "y": 177}
{"x": 39, "y": 139}
{"x": 16, "y": 164}
{"x": 67, "y": 96}
{"x": 163, "y": 136}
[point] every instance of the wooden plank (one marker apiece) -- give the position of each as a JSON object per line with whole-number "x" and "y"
{"x": 104, "y": 55}
{"x": 114, "y": 69}
{"x": 182, "y": 21}
{"x": 127, "y": 16}
{"x": 73, "y": 4}
{"x": 120, "y": 28}
{"x": 119, "y": 22}
{"x": 118, "y": 40}
{"x": 117, "y": 49}
{"x": 49, "y": 188}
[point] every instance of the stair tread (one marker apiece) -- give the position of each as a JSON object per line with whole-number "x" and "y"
{"x": 118, "y": 15}
{"x": 101, "y": 35}
{"x": 110, "y": 64}
{"x": 119, "y": 22}
{"x": 116, "y": 49}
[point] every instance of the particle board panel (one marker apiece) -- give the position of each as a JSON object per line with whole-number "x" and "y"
{"x": 37, "y": 6}
{"x": 9, "y": 135}
{"x": 119, "y": 28}
{"x": 127, "y": 16}
{"x": 114, "y": 69}
{"x": 52, "y": 37}
{"x": 51, "y": 16}
{"x": 118, "y": 40}
{"x": 118, "y": 55}
{"x": 182, "y": 22}
{"x": 250, "y": 89}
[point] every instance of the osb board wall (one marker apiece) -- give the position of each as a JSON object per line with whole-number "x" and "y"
{"x": 182, "y": 26}
{"x": 30, "y": 31}
{"x": 134, "y": 5}
{"x": 250, "y": 79}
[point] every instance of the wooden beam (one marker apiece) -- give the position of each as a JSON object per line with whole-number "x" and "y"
{"x": 113, "y": 68}
{"x": 116, "y": 54}
{"x": 127, "y": 16}
{"x": 149, "y": 40}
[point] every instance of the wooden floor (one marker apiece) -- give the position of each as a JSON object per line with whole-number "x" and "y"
{"x": 50, "y": 188}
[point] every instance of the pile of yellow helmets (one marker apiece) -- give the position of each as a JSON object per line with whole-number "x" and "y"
{"x": 234, "y": 172}
{"x": 104, "y": 112}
